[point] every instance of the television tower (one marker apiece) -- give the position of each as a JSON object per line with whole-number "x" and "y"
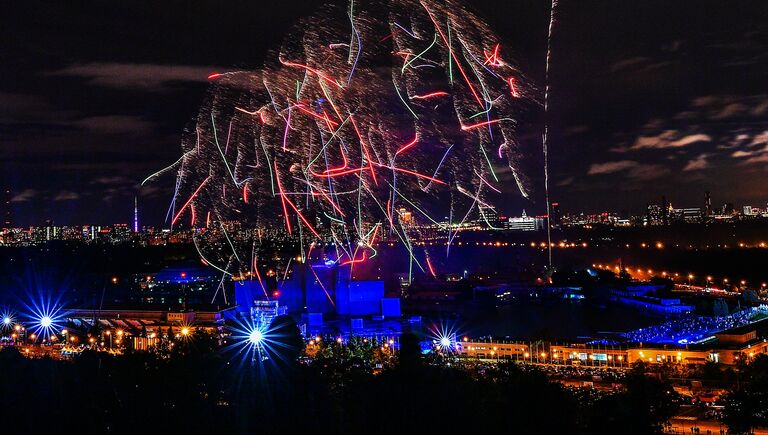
{"x": 135, "y": 214}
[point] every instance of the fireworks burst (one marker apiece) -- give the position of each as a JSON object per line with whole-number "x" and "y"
{"x": 362, "y": 111}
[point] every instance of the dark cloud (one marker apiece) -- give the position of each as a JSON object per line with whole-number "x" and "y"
{"x": 611, "y": 167}
{"x": 116, "y": 124}
{"x": 698, "y": 163}
{"x": 24, "y": 196}
{"x": 66, "y": 195}
{"x": 668, "y": 139}
{"x": 136, "y": 76}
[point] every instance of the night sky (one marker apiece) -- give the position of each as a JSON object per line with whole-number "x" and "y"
{"x": 649, "y": 98}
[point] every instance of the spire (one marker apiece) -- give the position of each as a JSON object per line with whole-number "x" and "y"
{"x": 135, "y": 214}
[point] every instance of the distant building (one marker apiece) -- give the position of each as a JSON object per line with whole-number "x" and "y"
{"x": 556, "y": 216}
{"x": 406, "y": 217}
{"x": 690, "y": 214}
{"x": 654, "y": 215}
{"x": 263, "y": 312}
{"x": 524, "y": 223}
{"x": 707, "y": 204}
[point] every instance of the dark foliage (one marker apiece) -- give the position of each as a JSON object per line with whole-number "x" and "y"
{"x": 192, "y": 387}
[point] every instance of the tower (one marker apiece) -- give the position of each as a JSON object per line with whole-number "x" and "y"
{"x": 135, "y": 214}
{"x": 707, "y": 204}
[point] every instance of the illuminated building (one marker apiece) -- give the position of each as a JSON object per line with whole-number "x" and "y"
{"x": 263, "y": 312}
{"x": 691, "y": 214}
{"x": 488, "y": 214}
{"x": 405, "y": 216}
{"x": 317, "y": 288}
{"x": 556, "y": 214}
{"x": 140, "y": 326}
{"x": 654, "y": 215}
{"x": 135, "y": 214}
{"x": 524, "y": 223}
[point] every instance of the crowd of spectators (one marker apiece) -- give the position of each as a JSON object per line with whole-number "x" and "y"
{"x": 690, "y": 330}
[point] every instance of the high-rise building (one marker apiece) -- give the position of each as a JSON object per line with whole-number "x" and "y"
{"x": 707, "y": 205}
{"x": 556, "y": 214}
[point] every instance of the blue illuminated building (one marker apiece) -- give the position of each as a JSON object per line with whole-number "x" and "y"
{"x": 322, "y": 292}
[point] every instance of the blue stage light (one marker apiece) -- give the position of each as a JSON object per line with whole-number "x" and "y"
{"x": 444, "y": 337}
{"x": 255, "y": 337}
{"x": 46, "y": 317}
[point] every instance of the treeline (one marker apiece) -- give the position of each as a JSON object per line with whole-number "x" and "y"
{"x": 192, "y": 386}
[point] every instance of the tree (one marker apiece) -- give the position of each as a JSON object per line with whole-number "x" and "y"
{"x": 747, "y": 407}
{"x": 642, "y": 408}
{"x": 750, "y": 297}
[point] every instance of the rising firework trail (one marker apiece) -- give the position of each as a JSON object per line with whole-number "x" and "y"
{"x": 362, "y": 111}
{"x": 545, "y": 137}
